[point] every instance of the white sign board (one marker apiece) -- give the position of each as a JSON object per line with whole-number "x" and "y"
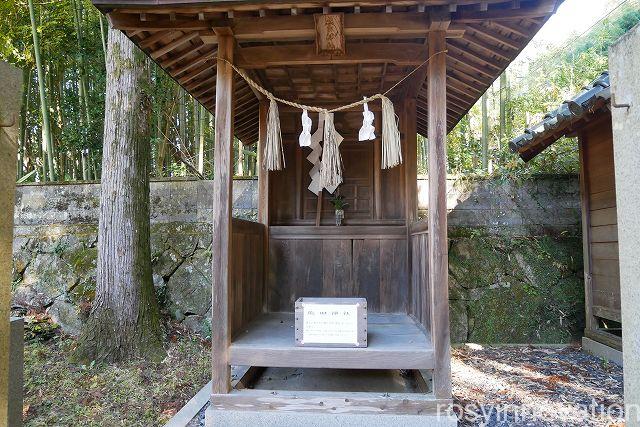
{"x": 330, "y": 324}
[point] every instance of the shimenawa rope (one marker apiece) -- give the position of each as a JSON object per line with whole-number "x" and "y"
{"x": 331, "y": 165}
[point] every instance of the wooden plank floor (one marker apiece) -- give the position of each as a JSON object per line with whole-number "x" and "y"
{"x": 396, "y": 341}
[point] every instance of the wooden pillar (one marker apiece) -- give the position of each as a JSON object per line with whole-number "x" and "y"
{"x": 10, "y": 103}
{"x": 263, "y": 173}
{"x": 438, "y": 247}
{"x": 590, "y": 322}
{"x": 222, "y": 192}
{"x": 410, "y": 159}
{"x": 263, "y": 194}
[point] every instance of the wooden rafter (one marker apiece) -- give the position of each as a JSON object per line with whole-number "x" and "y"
{"x": 470, "y": 55}
{"x": 155, "y": 54}
{"x": 274, "y": 44}
{"x": 196, "y": 61}
{"x": 281, "y": 28}
{"x": 487, "y": 47}
{"x": 169, "y": 62}
{"x": 361, "y": 53}
{"x": 155, "y": 38}
{"x": 539, "y": 9}
{"x": 495, "y": 36}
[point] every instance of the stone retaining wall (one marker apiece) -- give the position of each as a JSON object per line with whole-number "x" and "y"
{"x": 515, "y": 254}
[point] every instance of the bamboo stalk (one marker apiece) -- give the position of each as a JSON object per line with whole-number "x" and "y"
{"x": 47, "y": 143}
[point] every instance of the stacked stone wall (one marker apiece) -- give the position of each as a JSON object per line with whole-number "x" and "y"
{"x": 515, "y": 254}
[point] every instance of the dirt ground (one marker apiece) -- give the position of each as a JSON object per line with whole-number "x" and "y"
{"x": 534, "y": 386}
{"x": 492, "y": 386}
{"x": 530, "y": 386}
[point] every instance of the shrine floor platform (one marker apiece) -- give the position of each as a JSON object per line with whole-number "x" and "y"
{"x": 395, "y": 341}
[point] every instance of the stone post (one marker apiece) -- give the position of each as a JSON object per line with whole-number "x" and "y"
{"x": 624, "y": 63}
{"x": 10, "y": 88}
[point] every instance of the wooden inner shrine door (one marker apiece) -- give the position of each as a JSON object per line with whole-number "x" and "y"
{"x": 329, "y": 54}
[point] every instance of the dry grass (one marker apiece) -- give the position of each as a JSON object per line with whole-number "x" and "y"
{"x": 61, "y": 393}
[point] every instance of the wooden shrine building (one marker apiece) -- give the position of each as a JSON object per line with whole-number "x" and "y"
{"x": 330, "y": 53}
{"x": 587, "y": 116}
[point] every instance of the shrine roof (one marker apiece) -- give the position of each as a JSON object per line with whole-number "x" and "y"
{"x": 384, "y": 42}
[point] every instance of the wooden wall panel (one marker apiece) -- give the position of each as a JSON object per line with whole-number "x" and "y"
{"x": 603, "y": 199}
{"x": 375, "y": 196}
{"x": 602, "y": 229}
{"x": 606, "y": 267}
{"x": 246, "y": 291}
{"x": 391, "y": 191}
{"x": 607, "y": 250}
{"x": 394, "y": 294}
{"x": 606, "y": 216}
{"x": 337, "y": 266}
{"x": 366, "y": 270}
{"x": 295, "y": 269}
{"x": 372, "y": 268}
{"x": 605, "y": 233}
{"x": 357, "y": 187}
{"x": 420, "y": 300}
{"x": 282, "y": 187}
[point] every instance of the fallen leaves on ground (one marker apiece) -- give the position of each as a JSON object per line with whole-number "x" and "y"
{"x": 533, "y": 386}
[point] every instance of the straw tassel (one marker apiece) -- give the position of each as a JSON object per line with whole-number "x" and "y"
{"x": 274, "y": 155}
{"x": 391, "y": 150}
{"x": 331, "y": 165}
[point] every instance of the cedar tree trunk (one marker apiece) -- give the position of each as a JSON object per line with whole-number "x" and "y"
{"x": 124, "y": 321}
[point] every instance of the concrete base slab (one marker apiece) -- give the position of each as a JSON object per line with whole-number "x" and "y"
{"x": 191, "y": 409}
{"x": 601, "y": 350}
{"x": 216, "y": 418}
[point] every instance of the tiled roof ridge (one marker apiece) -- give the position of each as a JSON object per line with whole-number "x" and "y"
{"x": 568, "y": 112}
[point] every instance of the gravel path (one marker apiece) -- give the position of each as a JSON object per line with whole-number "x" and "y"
{"x": 534, "y": 386}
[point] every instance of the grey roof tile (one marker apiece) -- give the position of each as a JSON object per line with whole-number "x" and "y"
{"x": 563, "y": 116}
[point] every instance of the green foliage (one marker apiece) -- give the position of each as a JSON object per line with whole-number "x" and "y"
{"x": 541, "y": 87}
{"x": 63, "y": 53}
{"x": 548, "y": 80}
{"x": 338, "y": 202}
{"x": 39, "y": 327}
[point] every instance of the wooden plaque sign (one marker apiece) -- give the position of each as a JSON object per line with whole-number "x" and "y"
{"x": 330, "y": 34}
{"x": 331, "y": 322}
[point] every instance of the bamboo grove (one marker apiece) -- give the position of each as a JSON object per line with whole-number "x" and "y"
{"x": 62, "y": 119}
{"x": 61, "y": 47}
{"x": 478, "y": 145}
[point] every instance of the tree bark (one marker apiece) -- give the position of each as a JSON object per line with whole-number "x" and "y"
{"x": 124, "y": 322}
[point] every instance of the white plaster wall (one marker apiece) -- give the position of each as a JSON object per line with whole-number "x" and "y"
{"x": 624, "y": 66}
